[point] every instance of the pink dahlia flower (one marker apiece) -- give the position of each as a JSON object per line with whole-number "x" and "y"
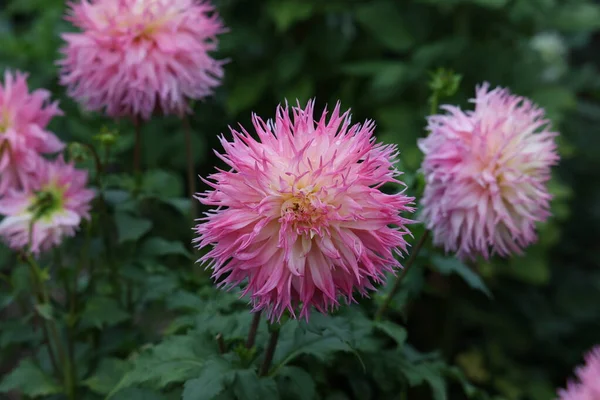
{"x": 133, "y": 57}
{"x": 300, "y": 214}
{"x": 587, "y": 386}
{"x": 23, "y": 135}
{"x": 52, "y": 210}
{"x": 486, "y": 172}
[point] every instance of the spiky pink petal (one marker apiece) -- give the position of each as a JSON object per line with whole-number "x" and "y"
{"x": 133, "y": 57}
{"x": 587, "y": 385}
{"x": 486, "y": 172}
{"x": 24, "y": 117}
{"x": 300, "y": 216}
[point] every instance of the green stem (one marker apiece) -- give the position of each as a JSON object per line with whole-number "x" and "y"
{"x": 44, "y": 297}
{"x": 396, "y": 287}
{"x": 190, "y": 164}
{"x": 253, "y": 330}
{"x": 270, "y": 352}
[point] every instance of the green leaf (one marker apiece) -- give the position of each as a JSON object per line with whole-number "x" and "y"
{"x": 156, "y": 246}
{"x": 138, "y": 394}
{"x": 214, "y": 377}
{"x": 426, "y": 372}
{"x": 448, "y": 265}
{"x": 247, "y": 91}
{"x": 101, "y": 311}
{"x": 45, "y": 311}
{"x": 162, "y": 184}
{"x": 295, "y": 340}
{"x": 286, "y": 13}
{"x": 130, "y": 227}
{"x": 29, "y": 379}
{"x": 296, "y": 383}
{"x": 249, "y": 386}
{"x": 396, "y": 332}
{"x": 107, "y": 375}
{"x": 176, "y": 359}
{"x": 384, "y": 21}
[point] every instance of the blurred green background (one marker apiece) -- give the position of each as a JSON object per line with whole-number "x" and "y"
{"x": 376, "y": 56}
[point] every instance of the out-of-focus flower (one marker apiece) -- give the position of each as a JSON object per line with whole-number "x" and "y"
{"x": 300, "y": 215}
{"x": 51, "y": 210}
{"x": 587, "y": 385}
{"x": 133, "y": 57}
{"x": 23, "y": 135}
{"x": 486, "y": 172}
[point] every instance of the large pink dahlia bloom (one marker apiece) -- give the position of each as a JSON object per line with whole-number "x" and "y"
{"x": 486, "y": 172}
{"x": 133, "y": 57}
{"x": 52, "y": 210}
{"x": 24, "y": 117}
{"x": 300, "y": 214}
{"x": 587, "y": 386}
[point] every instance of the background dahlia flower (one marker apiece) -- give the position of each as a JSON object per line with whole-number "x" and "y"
{"x": 23, "y": 135}
{"x": 53, "y": 208}
{"x": 486, "y": 172}
{"x": 300, "y": 215}
{"x": 133, "y": 57}
{"x": 587, "y": 386}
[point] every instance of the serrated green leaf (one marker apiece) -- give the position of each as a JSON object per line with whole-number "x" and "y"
{"x": 448, "y": 265}
{"x": 101, "y": 311}
{"x": 216, "y": 374}
{"x": 176, "y": 359}
{"x": 295, "y": 341}
{"x": 162, "y": 184}
{"x": 384, "y": 21}
{"x": 426, "y": 372}
{"x": 130, "y": 227}
{"x": 156, "y": 246}
{"x": 297, "y": 384}
{"x": 247, "y": 385}
{"x": 108, "y": 374}
{"x": 396, "y": 332}
{"x": 30, "y": 380}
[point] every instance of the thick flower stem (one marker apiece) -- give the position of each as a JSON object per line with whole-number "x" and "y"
{"x": 396, "y": 287}
{"x": 270, "y": 352}
{"x": 137, "y": 150}
{"x": 189, "y": 155}
{"x": 253, "y": 330}
{"x": 51, "y": 329}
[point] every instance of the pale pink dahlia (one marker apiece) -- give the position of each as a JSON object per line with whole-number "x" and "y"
{"x": 52, "y": 210}
{"x": 587, "y": 386}
{"x": 24, "y": 117}
{"x": 300, "y": 214}
{"x": 133, "y": 57}
{"x": 486, "y": 172}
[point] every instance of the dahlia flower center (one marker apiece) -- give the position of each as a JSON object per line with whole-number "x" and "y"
{"x": 46, "y": 202}
{"x": 303, "y": 212}
{"x": 5, "y": 122}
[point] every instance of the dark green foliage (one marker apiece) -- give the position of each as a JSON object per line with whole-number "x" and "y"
{"x": 146, "y": 319}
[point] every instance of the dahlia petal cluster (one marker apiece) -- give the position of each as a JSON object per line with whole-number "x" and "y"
{"x": 486, "y": 172}
{"x": 300, "y": 217}
{"x": 587, "y": 386}
{"x": 134, "y": 57}
{"x": 40, "y": 218}
{"x": 24, "y": 117}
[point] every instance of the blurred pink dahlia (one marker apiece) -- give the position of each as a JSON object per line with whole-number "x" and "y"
{"x": 587, "y": 386}
{"x": 23, "y": 135}
{"x": 52, "y": 210}
{"x": 300, "y": 214}
{"x": 133, "y": 57}
{"x": 486, "y": 172}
